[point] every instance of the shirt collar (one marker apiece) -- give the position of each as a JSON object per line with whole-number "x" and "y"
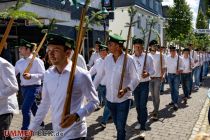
{"x": 30, "y": 57}
{"x": 66, "y": 69}
{"x": 142, "y": 54}
{"x": 119, "y": 56}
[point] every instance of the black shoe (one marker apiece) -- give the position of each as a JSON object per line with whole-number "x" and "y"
{"x": 97, "y": 109}
{"x": 42, "y": 124}
{"x": 185, "y": 100}
{"x": 103, "y": 125}
{"x": 171, "y": 103}
{"x": 175, "y": 107}
{"x": 154, "y": 117}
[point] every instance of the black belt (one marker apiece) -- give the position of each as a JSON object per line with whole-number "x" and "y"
{"x": 102, "y": 85}
{"x": 172, "y": 73}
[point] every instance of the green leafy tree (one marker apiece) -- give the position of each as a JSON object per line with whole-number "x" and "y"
{"x": 15, "y": 13}
{"x": 180, "y": 20}
{"x": 201, "y": 22}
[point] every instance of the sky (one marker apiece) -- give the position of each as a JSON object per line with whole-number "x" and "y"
{"x": 194, "y": 4}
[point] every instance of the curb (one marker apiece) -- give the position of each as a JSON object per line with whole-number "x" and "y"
{"x": 202, "y": 123}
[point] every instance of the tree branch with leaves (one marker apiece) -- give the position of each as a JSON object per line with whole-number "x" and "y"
{"x": 14, "y": 13}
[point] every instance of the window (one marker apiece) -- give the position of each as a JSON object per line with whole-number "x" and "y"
{"x": 147, "y": 24}
{"x": 151, "y": 4}
{"x": 156, "y": 6}
{"x": 139, "y": 22}
{"x": 158, "y": 28}
{"x": 148, "y": 1}
{"x": 144, "y": 2}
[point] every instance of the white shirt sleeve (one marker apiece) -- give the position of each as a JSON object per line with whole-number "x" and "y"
{"x": 9, "y": 79}
{"x": 133, "y": 76}
{"x": 16, "y": 69}
{"x": 90, "y": 93}
{"x": 93, "y": 70}
{"x": 150, "y": 65}
{"x": 99, "y": 76}
{"x": 91, "y": 61}
{"x": 81, "y": 62}
{"x": 181, "y": 63}
{"x": 40, "y": 70}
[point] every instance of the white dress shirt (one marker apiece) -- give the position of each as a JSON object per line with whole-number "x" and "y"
{"x": 195, "y": 57}
{"x": 186, "y": 65}
{"x": 8, "y": 88}
{"x": 80, "y": 61}
{"x": 200, "y": 59}
{"x": 37, "y": 71}
{"x": 93, "y": 58}
{"x": 171, "y": 64}
{"x": 111, "y": 71}
{"x": 157, "y": 64}
{"x": 54, "y": 94}
{"x": 96, "y": 68}
{"x": 139, "y": 63}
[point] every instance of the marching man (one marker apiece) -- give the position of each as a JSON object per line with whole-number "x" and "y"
{"x": 118, "y": 100}
{"x": 8, "y": 98}
{"x": 155, "y": 83}
{"x": 96, "y": 69}
{"x": 54, "y": 92}
{"x": 186, "y": 76}
{"x": 141, "y": 92}
{"x": 30, "y": 82}
{"x": 174, "y": 72}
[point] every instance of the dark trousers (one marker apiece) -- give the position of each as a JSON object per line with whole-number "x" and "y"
{"x": 186, "y": 79}
{"x": 141, "y": 97}
{"x": 174, "y": 81}
{"x": 201, "y": 74}
{"x": 5, "y": 121}
{"x": 29, "y": 105}
{"x": 119, "y": 112}
{"x": 102, "y": 94}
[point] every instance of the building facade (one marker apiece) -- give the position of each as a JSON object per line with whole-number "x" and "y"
{"x": 67, "y": 18}
{"x": 146, "y": 10}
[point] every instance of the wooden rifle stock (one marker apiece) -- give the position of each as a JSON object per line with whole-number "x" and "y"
{"x": 126, "y": 53}
{"x": 6, "y": 34}
{"x": 147, "y": 48}
{"x": 28, "y": 68}
{"x": 67, "y": 104}
{"x": 161, "y": 58}
{"x": 177, "y": 67}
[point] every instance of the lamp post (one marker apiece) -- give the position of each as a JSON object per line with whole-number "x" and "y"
{"x": 104, "y": 30}
{"x": 104, "y": 13}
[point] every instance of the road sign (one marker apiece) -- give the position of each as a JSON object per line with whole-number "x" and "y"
{"x": 202, "y": 31}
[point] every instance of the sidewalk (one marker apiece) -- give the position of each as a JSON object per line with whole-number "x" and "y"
{"x": 172, "y": 125}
